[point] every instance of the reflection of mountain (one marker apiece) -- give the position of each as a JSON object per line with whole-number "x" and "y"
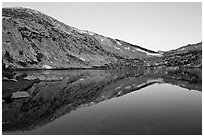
{"x": 51, "y": 99}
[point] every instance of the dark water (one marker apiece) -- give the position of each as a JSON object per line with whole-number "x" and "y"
{"x": 106, "y": 102}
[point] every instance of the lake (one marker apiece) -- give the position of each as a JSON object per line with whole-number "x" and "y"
{"x": 100, "y": 102}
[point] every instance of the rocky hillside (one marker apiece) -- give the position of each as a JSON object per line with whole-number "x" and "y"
{"x": 33, "y": 40}
{"x": 189, "y": 56}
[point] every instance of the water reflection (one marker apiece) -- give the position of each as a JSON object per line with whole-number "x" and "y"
{"x": 151, "y": 107}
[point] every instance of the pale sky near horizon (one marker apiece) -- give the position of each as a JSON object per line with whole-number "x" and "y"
{"x": 156, "y": 26}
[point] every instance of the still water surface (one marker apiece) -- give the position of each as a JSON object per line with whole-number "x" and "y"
{"x": 159, "y": 108}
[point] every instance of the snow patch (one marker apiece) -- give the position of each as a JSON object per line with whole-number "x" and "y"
{"x": 118, "y": 42}
{"x": 13, "y": 80}
{"x": 117, "y": 48}
{"x": 46, "y": 67}
{"x": 68, "y": 32}
{"x": 118, "y": 88}
{"x": 83, "y": 59}
{"x": 128, "y": 48}
{"x": 148, "y": 53}
{"x": 90, "y": 33}
{"x": 154, "y": 54}
{"x": 85, "y": 32}
{"x": 120, "y": 92}
{"x": 182, "y": 49}
{"x": 92, "y": 103}
{"x": 128, "y": 87}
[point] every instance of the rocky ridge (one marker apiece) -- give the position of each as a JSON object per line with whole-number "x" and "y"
{"x": 33, "y": 40}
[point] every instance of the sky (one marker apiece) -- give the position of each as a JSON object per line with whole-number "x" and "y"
{"x": 155, "y": 26}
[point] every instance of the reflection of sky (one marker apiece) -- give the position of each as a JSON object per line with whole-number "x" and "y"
{"x": 157, "y": 109}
